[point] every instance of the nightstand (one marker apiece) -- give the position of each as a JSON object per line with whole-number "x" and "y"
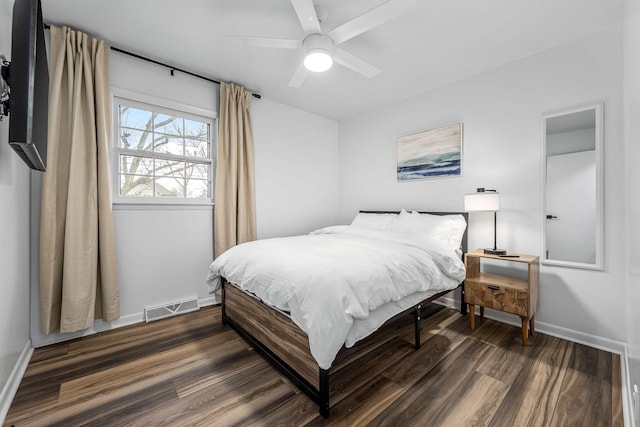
{"x": 508, "y": 294}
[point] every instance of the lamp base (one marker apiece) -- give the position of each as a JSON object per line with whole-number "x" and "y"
{"x": 495, "y": 251}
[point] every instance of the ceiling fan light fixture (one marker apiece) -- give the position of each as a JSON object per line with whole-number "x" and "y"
{"x": 318, "y": 60}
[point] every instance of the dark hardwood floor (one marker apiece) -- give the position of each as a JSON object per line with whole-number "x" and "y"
{"x": 191, "y": 370}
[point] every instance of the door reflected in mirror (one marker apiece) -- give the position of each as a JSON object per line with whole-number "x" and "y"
{"x": 572, "y": 211}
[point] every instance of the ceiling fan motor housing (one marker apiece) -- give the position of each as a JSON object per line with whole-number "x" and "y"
{"x": 318, "y": 50}
{"x": 318, "y": 41}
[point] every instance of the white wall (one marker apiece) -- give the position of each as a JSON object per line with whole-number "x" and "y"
{"x": 632, "y": 156}
{"x": 296, "y": 170}
{"x": 163, "y": 253}
{"x": 501, "y": 110}
{"x": 14, "y": 246}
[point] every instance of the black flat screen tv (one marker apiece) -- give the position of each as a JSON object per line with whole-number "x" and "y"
{"x": 29, "y": 84}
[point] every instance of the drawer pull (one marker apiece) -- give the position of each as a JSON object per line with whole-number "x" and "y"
{"x": 493, "y": 288}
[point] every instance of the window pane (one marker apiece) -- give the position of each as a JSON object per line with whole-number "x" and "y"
{"x": 136, "y": 185}
{"x": 196, "y": 148}
{"x": 161, "y": 154}
{"x": 196, "y": 129}
{"x": 197, "y": 170}
{"x": 169, "y": 144}
{"x": 135, "y": 139}
{"x": 169, "y": 124}
{"x": 136, "y": 165}
{"x": 169, "y": 168}
{"x": 170, "y": 187}
{"x": 198, "y": 188}
{"x": 135, "y": 118}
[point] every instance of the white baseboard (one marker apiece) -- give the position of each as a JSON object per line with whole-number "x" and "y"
{"x": 101, "y": 326}
{"x": 549, "y": 329}
{"x": 574, "y": 336}
{"x": 9, "y": 390}
{"x": 98, "y": 326}
{"x": 627, "y": 390}
{"x": 212, "y": 300}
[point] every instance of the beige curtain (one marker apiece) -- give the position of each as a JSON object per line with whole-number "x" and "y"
{"x": 235, "y": 212}
{"x": 78, "y": 282}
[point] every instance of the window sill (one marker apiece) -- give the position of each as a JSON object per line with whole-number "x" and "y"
{"x": 129, "y": 206}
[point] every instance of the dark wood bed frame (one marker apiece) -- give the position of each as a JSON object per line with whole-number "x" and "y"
{"x": 265, "y": 327}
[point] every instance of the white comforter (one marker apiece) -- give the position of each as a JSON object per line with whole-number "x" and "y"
{"x": 336, "y": 275}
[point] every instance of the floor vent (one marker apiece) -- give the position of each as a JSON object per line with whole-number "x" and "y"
{"x": 169, "y": 310}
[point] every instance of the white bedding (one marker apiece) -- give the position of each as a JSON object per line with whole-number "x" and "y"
{"x": 337, "y": 275}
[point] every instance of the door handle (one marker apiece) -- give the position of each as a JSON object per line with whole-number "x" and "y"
{"x": 552, "y": 217}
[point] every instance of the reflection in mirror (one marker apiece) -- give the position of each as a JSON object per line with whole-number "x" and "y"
{"x": 573, "y": 188}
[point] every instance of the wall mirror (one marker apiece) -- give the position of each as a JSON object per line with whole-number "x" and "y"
{"x": 572, "y": 198}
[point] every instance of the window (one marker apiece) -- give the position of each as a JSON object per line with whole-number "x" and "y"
{"x": 162, "y": 155}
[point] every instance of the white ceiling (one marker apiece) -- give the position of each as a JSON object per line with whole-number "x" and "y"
{"x": 436, "y": 43}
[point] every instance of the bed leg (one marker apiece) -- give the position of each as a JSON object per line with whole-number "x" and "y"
{"x": 417, "y": 328}
{"x": 323, "y": 395}
{"x": 463, "y": 304}
{"x": 224, "y": 312}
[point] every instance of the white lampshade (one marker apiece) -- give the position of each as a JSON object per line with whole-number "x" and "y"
{"x": 318, "y": 60}
{"x": 488, "y": 201}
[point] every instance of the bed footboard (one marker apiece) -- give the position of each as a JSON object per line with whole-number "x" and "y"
{"x": 264, "y": 329}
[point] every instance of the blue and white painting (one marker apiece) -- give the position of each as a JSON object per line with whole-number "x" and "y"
{"x": 431, "y": 153}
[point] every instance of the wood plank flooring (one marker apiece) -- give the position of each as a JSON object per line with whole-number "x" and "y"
{"x": 190, "y": 370}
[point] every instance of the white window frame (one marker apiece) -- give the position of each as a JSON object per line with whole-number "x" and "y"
{"x": 164, "y": 106}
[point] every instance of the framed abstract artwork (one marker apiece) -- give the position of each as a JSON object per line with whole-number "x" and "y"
{"x": 430, "y": 153}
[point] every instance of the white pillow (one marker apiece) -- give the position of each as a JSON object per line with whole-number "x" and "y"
{"x": 377, "y": 221}
{"x": 447, "y": 228}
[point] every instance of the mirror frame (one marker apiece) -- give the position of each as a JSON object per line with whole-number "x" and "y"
{"x": 599, "y": 137}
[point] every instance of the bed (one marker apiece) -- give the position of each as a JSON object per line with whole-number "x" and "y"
{"x": 302, "y": 300}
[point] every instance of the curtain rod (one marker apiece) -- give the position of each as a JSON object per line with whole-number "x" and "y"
{"x": 162, "y": 64}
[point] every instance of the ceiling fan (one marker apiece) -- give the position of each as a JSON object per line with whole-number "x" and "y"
{"x": 320, "y": 48}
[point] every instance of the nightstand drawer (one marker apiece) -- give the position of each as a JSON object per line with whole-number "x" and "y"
{"x": 508, "y": 299}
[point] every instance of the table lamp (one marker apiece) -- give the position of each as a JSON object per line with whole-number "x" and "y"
{"x": 485, "y": 201}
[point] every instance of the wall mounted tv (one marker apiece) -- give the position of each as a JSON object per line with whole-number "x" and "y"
{"x": 29, "y": 85}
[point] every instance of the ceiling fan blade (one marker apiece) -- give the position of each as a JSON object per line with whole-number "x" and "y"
{"x": 247, "y": 41}
{"x": 368, "y": 20}
{"x": 354, "y": 63}
{"x": 298, "y": 76}
{"x": 307, "y": 15}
